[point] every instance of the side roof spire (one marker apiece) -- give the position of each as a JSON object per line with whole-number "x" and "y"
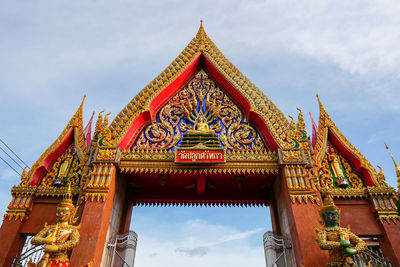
{"x": 396, "y": 166}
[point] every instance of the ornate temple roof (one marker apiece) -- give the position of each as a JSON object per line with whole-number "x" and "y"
{"x": 72, "y": 133}
{"x": 327, "y": 130}
{"x": 143, "y": 107}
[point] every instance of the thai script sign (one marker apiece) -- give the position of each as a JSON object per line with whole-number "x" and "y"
{"x": 199, "y": 156}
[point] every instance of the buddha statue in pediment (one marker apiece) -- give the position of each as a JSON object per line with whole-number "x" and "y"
{"x": 201, "y": 126}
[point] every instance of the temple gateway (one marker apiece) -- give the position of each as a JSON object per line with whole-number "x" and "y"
{"x": 201, "y": 133}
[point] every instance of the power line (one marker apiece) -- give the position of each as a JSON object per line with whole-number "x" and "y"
{"x": 14, "y": 153}
{"x": 11, "y": 158}
{"x": 9, "y": 165}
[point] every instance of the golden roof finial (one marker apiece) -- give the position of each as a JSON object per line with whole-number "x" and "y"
{"x": 321, "y": 107}
{"x": 77, "y": 118}
{"x": 201, "y": 33}
{"x": 201, "y": 37}
{"x": 395, "y": 165}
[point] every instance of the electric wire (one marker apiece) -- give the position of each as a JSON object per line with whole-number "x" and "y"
{"x": 14, "y": 153}
{"x": 9, "y": 165}
{"x": 11, "y": 158}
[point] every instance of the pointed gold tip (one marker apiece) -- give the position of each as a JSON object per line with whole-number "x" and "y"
{"x": 201, "y": 34}
{"x": 321, "y": 107}
{"x": 386, "y": 146}
{"x": 83, "y": 101}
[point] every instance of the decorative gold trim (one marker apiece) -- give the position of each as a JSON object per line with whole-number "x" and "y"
{"x": 108, "y": 154}
{"x": 380, "y": 190}
{"x": 41, "y": 192}
{"x": 241, "y": 156}
{"x": 98, "y": 184}
{"x": 171, "y": 167}
{"x": 300, "y": 184}
{"x": 292, "y": 156}
{"x": 346, "y": 193}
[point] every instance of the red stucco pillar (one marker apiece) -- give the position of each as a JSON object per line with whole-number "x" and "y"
{"x": 390, "y": 242}
{"x": 12, "y": 241}
{"x": 301, "y": 218}
{"x": 95, "y": 219}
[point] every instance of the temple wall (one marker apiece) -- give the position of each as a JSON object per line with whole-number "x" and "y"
{"x": 43, "y": 211}
{"x": 359, "y": 215}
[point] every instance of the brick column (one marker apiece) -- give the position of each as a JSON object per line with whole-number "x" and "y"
{"x": 297, "y": 204}
{"x": 100, "y": 191}
{"x": 12, "y": 241}
{"x": 301, "y": 206}
{"x": 390, "y": 242}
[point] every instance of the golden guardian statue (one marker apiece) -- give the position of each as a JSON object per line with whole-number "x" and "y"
{"x": 60, "y": 238}
{"x": 339, "y": 241}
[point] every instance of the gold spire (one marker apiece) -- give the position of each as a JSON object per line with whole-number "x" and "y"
{"x": 396, "y": 166}
{"x": 78, "y": 116}
{"x": 201, "y": 37}
{"x": 321, "y": 107}
{"x": 201, "y": 33}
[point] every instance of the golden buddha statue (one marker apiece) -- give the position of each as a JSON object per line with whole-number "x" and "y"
{"x": 340, "y": 242}
{"x": 201, "y": 126}
{"x": 59, "y": 238}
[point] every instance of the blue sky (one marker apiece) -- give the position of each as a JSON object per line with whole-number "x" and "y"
{"x": 52, "y": 53}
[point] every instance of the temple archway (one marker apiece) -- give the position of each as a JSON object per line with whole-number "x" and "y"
{"x": 201, "y": 133}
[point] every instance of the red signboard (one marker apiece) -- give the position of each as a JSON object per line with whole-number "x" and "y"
{"x": 200, "y": 156}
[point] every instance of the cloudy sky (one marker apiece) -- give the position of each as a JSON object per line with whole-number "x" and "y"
{"x": 54, "y": 52}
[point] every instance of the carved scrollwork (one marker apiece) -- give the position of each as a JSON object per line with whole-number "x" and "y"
{"x": 335, "y": 166}
{"x": 200, "y": 96}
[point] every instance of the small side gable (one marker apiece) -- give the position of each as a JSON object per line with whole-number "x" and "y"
{"x": 336, "y": 156}
{"x": 67, "y": 150}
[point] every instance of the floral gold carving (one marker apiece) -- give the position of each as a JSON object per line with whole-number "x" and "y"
{"x": 200, "y": 96}
{"x": 67, "y": 166}
{"x": 291, "y": 156}
{"x": 107, "y": 154}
